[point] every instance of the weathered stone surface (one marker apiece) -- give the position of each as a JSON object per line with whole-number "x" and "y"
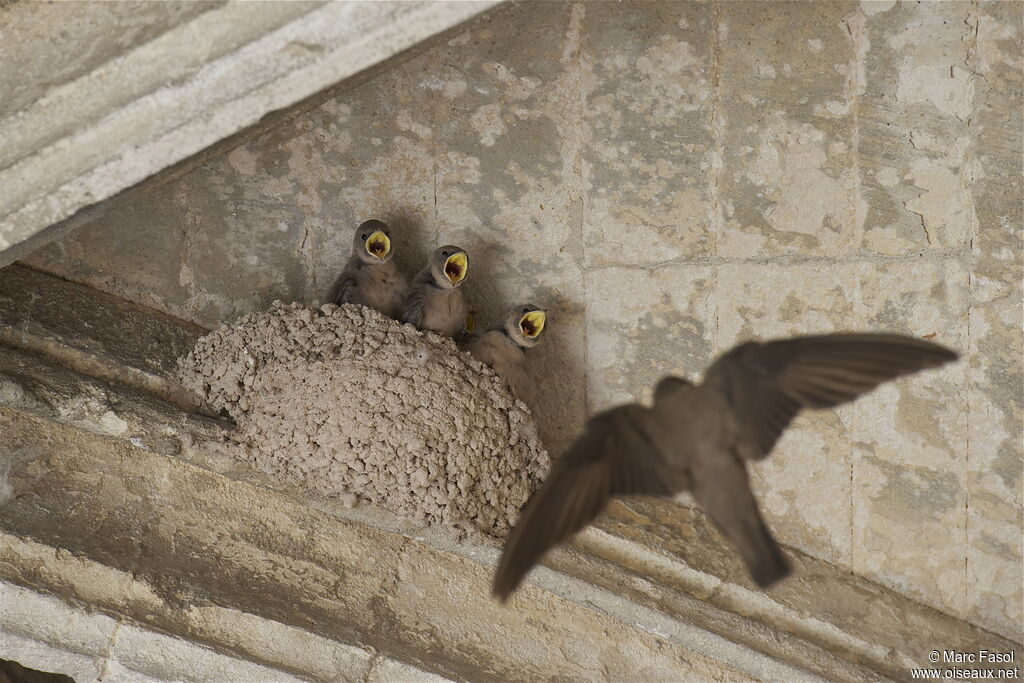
{"x": 914, "y": 115}
{"x": 648, "y": 119}
{"x": 650, "y": 564}
{"x": 51, "y": 659}
{"x": 995, "y": 490}
{"x": 154, "y": 517}
{"x": 643, "y": 323}
{"x": 669, "y": 179}
{"x": 98, "y": 124}
{"x": 43, "y": 633}
{"x": 998, "y": 150}
{"x": 995, "y": 453}
{"x": 92, "y": 333}
{"x": 787, "y": 179}
{"x": 139, "y": 654}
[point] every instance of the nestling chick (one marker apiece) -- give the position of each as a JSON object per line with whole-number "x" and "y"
{"x": 700, "y": 437}
{"x": 435, "y": 301}
{"x": 503, "y": 348}
{"x": 370, "y": 277}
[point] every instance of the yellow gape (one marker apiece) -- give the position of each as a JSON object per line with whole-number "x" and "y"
{"x": 378, "y": 245}
{"x": 532, "y": 324}
{"x": 456, "y": 267}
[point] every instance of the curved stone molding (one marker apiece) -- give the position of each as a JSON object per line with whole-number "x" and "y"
{"x": 132, "y": 510}
{"x": 196, "y": 76}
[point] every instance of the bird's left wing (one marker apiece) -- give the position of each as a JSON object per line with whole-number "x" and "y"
{"x": 614, "y": 457}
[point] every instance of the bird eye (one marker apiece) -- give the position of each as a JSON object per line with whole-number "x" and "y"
{"x": 363, "y": 236}
{"x": 444, "y": 253}
{"x": 526, "y": 310}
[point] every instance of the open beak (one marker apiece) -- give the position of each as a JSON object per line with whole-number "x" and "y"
{"x": 532, "y": 324}
{"x": 456, "y": 266}
{"x": 378, "y": 245}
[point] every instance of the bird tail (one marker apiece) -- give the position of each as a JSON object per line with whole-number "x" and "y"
{"x": 762, "y": 555}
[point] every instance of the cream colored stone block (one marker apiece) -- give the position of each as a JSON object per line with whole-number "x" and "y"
{"x": 643, "y": 324}
{"x": 43, "y": 656}
{"x": 998, "y": 128}
{"x": 913, "y": 137}
{"x": 49, "y": 620}
{"x": 390, "y": 671}
{"x": 995, "y": 460}
{"x": 909, "y": 529}
{"x": 788, "y": 180}
{"x": 647, "y": 119}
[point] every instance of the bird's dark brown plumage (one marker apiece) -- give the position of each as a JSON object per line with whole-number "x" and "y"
{"x": 698, "y": 437}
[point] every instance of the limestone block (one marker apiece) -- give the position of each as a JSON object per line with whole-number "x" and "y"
{"x": 787, "y": 178}
{"x": 643, "y": 324}
{"x": 998, "y": 147}
{"x": 913, "y": 144}
{"x": 995, "y": 459}
{"x": 648, "y": 123}
{"x": 41, "y": 656}
{"x": 44, "y": 633}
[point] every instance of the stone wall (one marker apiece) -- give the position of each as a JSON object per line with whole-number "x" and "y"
{"x": 669, "y": 179}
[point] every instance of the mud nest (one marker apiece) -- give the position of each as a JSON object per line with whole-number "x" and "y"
{"x": 350, "y": 404}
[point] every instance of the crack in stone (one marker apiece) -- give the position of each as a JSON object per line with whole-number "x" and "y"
{"x": 110, "y": 650}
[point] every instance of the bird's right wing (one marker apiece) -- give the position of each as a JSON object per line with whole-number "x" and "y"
{"x": 614, "y": 457}
{"x": 767, "y": 384}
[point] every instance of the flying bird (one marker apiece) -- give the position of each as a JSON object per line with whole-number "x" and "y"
{"x": 435, "y": 301}
{"x": 699, "y": 438}
{"x": 370, "y": 277}
{"x": 503, "y": 348}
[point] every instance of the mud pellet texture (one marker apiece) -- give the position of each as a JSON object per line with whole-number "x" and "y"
{"x": 353, "y": 405}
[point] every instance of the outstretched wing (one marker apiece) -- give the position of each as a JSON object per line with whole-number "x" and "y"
{"x": 614, "y": 457}
{"x": 768, "y": 384}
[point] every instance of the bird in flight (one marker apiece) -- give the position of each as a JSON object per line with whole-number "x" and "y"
{"x": 698, "y": 438}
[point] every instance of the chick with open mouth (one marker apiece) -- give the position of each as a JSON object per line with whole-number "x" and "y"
{"x": 371, "y": 278}
{"x": 435, "y": 300}
{"x": 504, "y": 348}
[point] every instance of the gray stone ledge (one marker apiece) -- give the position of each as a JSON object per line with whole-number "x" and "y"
{"x": 45, "y": 633}
{"x": 659, "y": 568}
